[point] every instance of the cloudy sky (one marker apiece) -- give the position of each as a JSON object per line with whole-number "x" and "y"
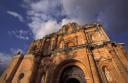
{"x": 21, "y": 21}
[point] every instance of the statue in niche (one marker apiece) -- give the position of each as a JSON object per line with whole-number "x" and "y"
{"x": 107, "y": 74}
{"x": 35, "y": 49}
{"x": 45, "y": 67}
{"x": 70, "y": 43}
{"x": 43, "y": 78}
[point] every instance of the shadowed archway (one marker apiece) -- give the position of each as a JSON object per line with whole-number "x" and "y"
{"x": 72, "y": 74}
{"x": 70, "y": 70}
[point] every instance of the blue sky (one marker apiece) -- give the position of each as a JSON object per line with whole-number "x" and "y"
{"x": 21, "y": 21}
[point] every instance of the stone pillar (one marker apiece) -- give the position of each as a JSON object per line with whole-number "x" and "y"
{"x": 122, "y": 70}
{"x": 93, "y": 66}
{"x": 9, "y": 80}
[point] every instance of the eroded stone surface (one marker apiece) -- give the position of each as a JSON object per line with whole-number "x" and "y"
{"x": 78, "y": 54}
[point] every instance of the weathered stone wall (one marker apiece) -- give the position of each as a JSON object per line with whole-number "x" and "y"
{"x": 85, "y": 49}
{"x": 24, "y": 71}
{"x": 11, "y": 69}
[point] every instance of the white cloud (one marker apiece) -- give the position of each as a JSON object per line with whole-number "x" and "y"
{"x": 21, "y": 34}
{"x": 59, "y": 12}
{"x": 66, "y": 21}
{"x": 14, "y": 51}
{"x": 4, "y": 59}
{"x": 41, "y": 6}
{"x": 43, "y": 28}
{"x": 44, "y": 16}
{"x": 113, "y": 14}
{"x": 15, "y": 14}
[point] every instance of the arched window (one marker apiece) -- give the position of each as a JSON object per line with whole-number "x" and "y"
{"x": 47, "y": 47}
{"x": 68, "y": 44}
{"x": 21, "y": 76}
{"x": 69, "y": 29}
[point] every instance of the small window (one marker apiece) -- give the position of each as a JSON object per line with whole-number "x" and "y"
{"x": 70, "y": 44}
{"x": 21, "y": 76}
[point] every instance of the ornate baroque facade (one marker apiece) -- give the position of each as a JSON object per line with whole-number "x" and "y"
{"x": 74, "y": 54}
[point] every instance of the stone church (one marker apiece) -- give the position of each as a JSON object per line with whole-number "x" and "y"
{"x": 74, "y": 54}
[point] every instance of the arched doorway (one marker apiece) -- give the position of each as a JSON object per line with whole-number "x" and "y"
{"x": 61, "y": 72}
{"x": 72, "y": 74}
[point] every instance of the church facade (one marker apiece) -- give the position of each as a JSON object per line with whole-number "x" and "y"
{"x": 74, "y": 54}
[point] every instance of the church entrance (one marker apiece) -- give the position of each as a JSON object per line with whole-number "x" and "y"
{"x": 72, "y": 74}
